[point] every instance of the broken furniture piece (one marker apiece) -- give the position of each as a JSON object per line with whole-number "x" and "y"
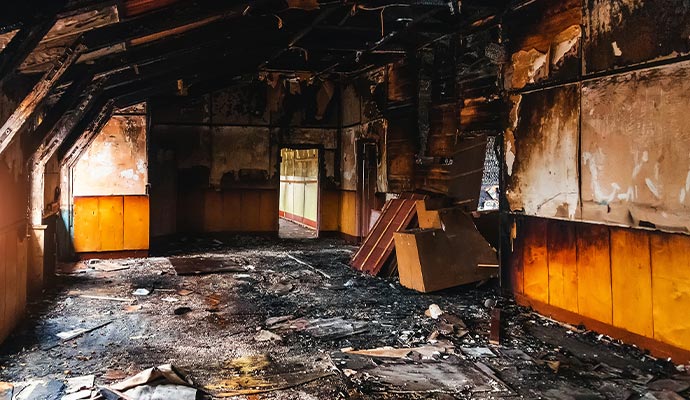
{"x": 378, "y": 247}
{"x": 446, "y": 251}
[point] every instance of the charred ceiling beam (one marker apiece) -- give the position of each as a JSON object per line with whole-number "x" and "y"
{"x": 68, "y": 100}
{"x": 21, "y": 45}
{"x": 158, "y": 24}
{"x": 323, "y": 15}
{"x": 221, "y": 35}
{"x": 381, "y": 43}
{"x": 28, "y": 106}
{"x": 89, "y": 126}
{"x": 66, "y": 124}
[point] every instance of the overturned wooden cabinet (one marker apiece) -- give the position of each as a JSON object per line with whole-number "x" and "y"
{"x": 450, "y": 252}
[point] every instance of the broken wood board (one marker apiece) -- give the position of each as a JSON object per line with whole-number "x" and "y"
{"x": 378, "y": 247}
{"x": 404, "y": 376}
{"x": 390, "y": 352}
{"x": 436, "y": 259}
{"x": 203, "y": 266}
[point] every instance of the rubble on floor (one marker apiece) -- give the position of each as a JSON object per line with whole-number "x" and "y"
{"x": 283, "y": 330}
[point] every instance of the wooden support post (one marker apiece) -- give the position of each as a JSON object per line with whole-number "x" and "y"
{"x": 37, "y": 165}
{"x": 28, "y": 106}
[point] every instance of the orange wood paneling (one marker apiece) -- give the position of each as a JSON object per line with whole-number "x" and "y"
{"x": 232, "y": 211}
{"x": 23, "y": 265}
{"x": 516, "y": 273}
{"x": 535, "y": 264}
{"x": 348, "y": 213}
{"x": 11, "y": 277}
{"x": 268, "y": 217}
{"x": 562, "y": 261}
{"x": 631, "y": 280}
{"x": 251, "y": 209}
{"x": 4, "y": 285}
{"x": 111, "y": 223}
{"x": 136, "y": 222}
{"x": 330, "y": 208}
{"x": 671, "y": 288}
{"x": 86, "y": 228}
{"x": 594, "y": 272}
{"x": 213, "y": 211}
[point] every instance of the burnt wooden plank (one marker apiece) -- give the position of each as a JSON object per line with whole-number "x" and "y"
{"x": 203, "y": 266}
{"x": 378, "y": 247}
{"x": 51, "y": 142}
{"x": 21, "y": 45}
{"x": 28, "y": 106}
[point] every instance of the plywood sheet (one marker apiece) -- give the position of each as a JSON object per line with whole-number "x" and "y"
{"x": 562, "y": 260}
{"x": 213, "y": 211}
{"x": 535, "y": 263}
{"x": 631, "y": 281}
{"x": 268, "y": 218}
{"x": 541, "y": 153}
{"x": 251, "y": 210}
{"x": 111, "y": 223}
{"x": 232, "y": 210}
{"x": 348, "y": 213}
{"x": 136, "y": 223}
{"x": 671, "y": 288}
{"x": 594, "y": 272}
{"x": 86, "y": 227}
{"x": 635, "y": 166}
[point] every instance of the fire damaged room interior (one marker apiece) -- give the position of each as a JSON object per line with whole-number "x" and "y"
{"x": 344, "y": 199}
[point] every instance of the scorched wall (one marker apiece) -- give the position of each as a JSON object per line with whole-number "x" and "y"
{"x": 596, "y": 164}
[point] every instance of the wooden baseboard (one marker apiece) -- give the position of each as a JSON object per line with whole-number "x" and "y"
{"x": 110, "y": 255}
{"x": 655, "y": 347}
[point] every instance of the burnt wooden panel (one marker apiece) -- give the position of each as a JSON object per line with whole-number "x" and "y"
{"x": 594, "y": 272}
{"x": 479, "y": 100}
{"x": 132, "y": 8}
{"x": 535, "y": 259}
{"x": 378, "y": 247}
{"x": 444, "y": 130}
{"x": 634, "y": 148}
{"x": 518, "y": 246}
{"x": 544, "y": 39}
{"x": 621, "y": 33}
{"x": 401, "y": 148}
{"x": 541, "y": 153}
{"x": 671, "y": 288}
{"x": 562, "y": 260}
{"x": 402, "y": 86}
{"x": 631, "y": 281}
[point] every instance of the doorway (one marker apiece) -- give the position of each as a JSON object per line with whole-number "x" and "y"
{"x": 298, "y": 210}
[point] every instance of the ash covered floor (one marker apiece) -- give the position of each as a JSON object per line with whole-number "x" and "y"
{"x": 281, "y": 318}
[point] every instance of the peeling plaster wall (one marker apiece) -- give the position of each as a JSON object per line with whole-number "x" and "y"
{"x": 635, "y": 141}
{"x": 116, "y": 162}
